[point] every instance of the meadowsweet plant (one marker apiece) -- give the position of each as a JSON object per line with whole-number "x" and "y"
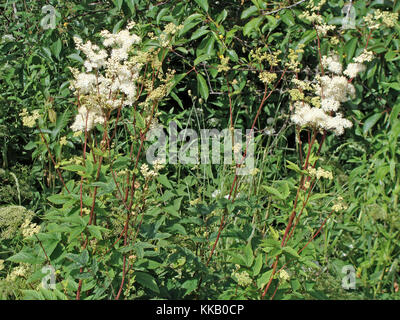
{"x": 121, "y": 110}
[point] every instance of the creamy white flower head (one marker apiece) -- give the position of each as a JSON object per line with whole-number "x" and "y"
{"x": 330, "y": 104}
{"x": 366, "y": 56}
{"x": 353, "y": 69}
{"x": 92, "y": 116}
{"x": 332, "y": 63}
{"x": 315, "y": 117}
{"x": 85, "y": 82}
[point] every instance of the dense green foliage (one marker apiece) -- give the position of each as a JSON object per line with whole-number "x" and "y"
{"x": 200, "y": 231}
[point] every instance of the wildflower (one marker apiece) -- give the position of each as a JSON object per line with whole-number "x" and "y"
{"x": 158, "y": 165}
{"x": 320, "y": 173}
{"x": 324, "y": 28}
{"x": 146, "y": 172}
{"x": 237, "y": 148}
{"x": 29, "y": 120}
{"x": 366, "y": 56}
{"x": 29, "y": 229}
{"x": 243, "y": 278}
{"x": 195, "y": 201}
{"x": 353, "y": 69}
{"x": 284, "y": 275}
{"x": 339, "y": 205}
{"x": 223, "y": 67}
{"x": 334, "y": 40}
{"x": 332, "y": 63}
{"x": 20, "y": 271}
{"x": 216, "y": 193}
{"x": 63, "y": 141}
{"x": 86, "y": 119}
{"x": 296, "y": 94}
{"x": 267, "y": 77}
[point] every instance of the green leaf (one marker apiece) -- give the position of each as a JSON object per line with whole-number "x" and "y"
{"x": 288, "y": 18}
{"x": 248, "y": 255}
{"x": 295, "y": 167}
{"x": 95, "y": 231}
{"x": 190, "y": 286}
{"x": 274, "y": 192}
{"x": 140, "y": 121}
{"x": 371, "y": 121}
{"x": 258, "y": 265}
{"x": 199, "y": 32}
{"x": 58, "y": 198}
{"x": 203, "y": 57}
{"x": 290, "y": 251}
{"x": 264, "y": 279}
{"x": 233, "y": 55}
{"x": 202, "y": 86}
{"x": 76, "y": 57}
{"x": 203, "y": 4}
{"x": 251, "y": 11}
{"x": 147, "y": 281}
{"x": 56, "y": 48}
{"x": 75, "y": 168}
{"x": 252, "y": 25}
{"x": 24, "y": 256}
{"x": 350, "y": 48}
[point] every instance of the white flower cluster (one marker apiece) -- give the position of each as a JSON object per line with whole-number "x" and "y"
{"x": 357, "y": 66}
{"x": 149, "y": 174}
{"x": 332, "y": 63}
{"x": 331, "y": 91}
{"x": 109, "y": 80}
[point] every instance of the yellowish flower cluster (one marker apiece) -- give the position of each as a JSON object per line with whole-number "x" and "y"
{"x": 29, "y": 229}
{"x": 339, "y": 205}
{"x": 267, "y": 77}
{"x": 316, "y": 102}
{"x": 29, "y": 120}
{"x": 293, "y": 56}
{"x": 302, "y": 84}
{"x": 63, "y": 141}
{"x": 21, "y": 271}
{"x": 324, "y": 28}
{"x": 296, "y": 94}
{"x": 243, "y": 278}
{"x": 283, "y": 275}
{"x": 271, "y": 58}
{"x": 378, "y": 18}
{"x": 223, "y": 67}
{"x": 166, "y": 35}
{"x": 320, "y": 173}
{"x": 195, "y": 201}
{"x": 312, "y": 17}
